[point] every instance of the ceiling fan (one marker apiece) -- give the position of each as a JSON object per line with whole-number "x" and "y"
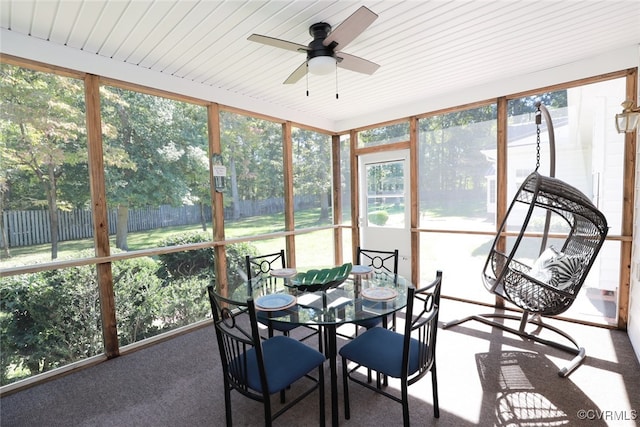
{"x": 325, "y": 50}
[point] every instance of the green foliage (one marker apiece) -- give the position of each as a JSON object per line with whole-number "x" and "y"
{"x": 378, "y": 217}
{"x": 52, "y": 318}
{"x": 182, "y": 302}
{"x": 384, "y": 134}
{"x": 196, "y": 262}
{"x": 236, "y": 267}
{"x": 252, "y": 153}
{"x": 200, "y": 262}
{"x": 42, "y": 129}
{"x": 139, "y": 296}
{"x": 48, "y": 320}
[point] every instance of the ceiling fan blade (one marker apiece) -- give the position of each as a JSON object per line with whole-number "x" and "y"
{"x": 299, "y": 73}
{"x": 355, "y": 63}
{"x": 283, "y": 44}
{"x": 350, "y": 28}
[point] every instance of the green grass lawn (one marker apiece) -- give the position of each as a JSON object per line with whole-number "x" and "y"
{"x": 148, "y": 239}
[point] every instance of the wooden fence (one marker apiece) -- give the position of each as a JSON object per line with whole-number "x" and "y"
{"x": 26, "y": 228}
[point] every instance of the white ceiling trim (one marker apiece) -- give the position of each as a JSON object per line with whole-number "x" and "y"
{"x": 618, "y": 60}
{"x": 39, "y": 50}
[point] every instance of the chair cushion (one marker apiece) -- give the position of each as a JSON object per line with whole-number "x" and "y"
{"x": 369, "y": 323}
{"x": 566, "y": 270}
{"x": 381, "y": 350}
{"x": 265, "y": 319}
{"x": 557, "y": 269}
{"x": 372, "y": 322}
{"x": 285, "y": 360}
{"x": 541, "y": 269}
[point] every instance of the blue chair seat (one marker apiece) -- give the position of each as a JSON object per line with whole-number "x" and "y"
{"x": 372, "y": 322}
{"x": 369, "y": 323}
{"x": 258, "y": 368}
{"x": 381, "y": 350}
{"x": 408, "y": 356}
{"x": 286, "y": 360}
{"x": 267, "y": 318}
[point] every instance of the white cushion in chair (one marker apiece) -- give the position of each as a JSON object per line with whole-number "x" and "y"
{"x": 541, "y": 269}
{"x": 556, "y": 269}
{"x": 565, "y": 270}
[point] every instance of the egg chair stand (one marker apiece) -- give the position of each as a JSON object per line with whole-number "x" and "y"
{"x": 551, "y": 284}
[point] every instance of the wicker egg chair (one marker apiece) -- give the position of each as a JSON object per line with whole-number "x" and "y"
{"x": 548, "y": 286}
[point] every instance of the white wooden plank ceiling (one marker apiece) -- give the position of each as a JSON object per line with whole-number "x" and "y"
{"x": 425, "y": 48}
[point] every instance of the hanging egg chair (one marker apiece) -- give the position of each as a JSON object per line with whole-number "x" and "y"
{"x": 541, "y": 266}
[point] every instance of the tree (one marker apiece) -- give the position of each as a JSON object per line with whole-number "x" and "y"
{"x": 158, "y": 142}
{"x": 252, "y": 149}
{"x": 527, "y": 104}
{"x": 384, "y": 135}
{"x": 452, "y": 171}
{"x": 44, "y": 136}
{"x": 5, "y": 173}
{"x": 312, "y": 167}
{"x": 190, "y": 127}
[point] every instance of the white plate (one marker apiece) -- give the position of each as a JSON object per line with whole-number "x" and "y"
{"x": 379, "y": 294}
{"x": 274, "y": 302}
{"x": 283, "y": 272}
{"x": 361, "y": 269}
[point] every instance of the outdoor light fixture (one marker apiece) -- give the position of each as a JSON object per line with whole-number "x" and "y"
{"x": 627, "y": 121}
{"x": 321, "y": 65}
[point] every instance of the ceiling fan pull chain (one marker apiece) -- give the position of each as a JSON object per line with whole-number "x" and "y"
{"x": 336, "y": 79}
{"x": 307, "y": 76}
{"x": 538, "y": 123}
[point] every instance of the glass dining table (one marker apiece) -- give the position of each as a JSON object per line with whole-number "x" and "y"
{"x": 364, "y": 295}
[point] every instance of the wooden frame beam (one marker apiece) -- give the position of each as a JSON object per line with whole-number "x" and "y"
{"x": 100, "y": 215}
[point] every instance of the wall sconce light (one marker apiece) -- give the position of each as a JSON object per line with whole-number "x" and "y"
{"x": 219, "y": 173}
{"x": 627, "y": 121}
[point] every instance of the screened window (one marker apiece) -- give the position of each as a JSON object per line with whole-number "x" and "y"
{"x": 156, "y": 168}
{"x": 457, "y": 188}
{"x": 398, "y": 132}
{"x": 254, "y": 194}
{"x": 345, "y": 178}
{"x": 44, "y": 180}
{"x": 311, "y": 178}
{"x": 456, "y": 170}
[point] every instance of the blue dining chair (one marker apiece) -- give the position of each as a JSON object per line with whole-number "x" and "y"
{"x": 384, "y": 264}
{"x": 258, "y": 368}
{"x": 258, "y": 273}
{"x": 408, "y": 356}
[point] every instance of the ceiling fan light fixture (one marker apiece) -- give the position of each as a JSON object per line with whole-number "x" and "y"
{"x": 321, "y": 65}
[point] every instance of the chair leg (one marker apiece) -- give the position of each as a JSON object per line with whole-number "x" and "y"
{"x": 434, "y": 386}
{"x": 345, "y": 381}
{"x": 321, "y": 393}
{"x": 267, "y": 412}
{"x": 405, "y": 404}
{"x": 320, "y": 338}
{"x": 227, "y": 405}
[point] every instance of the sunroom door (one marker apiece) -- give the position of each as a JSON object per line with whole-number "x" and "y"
{"x": 385, "y": 204}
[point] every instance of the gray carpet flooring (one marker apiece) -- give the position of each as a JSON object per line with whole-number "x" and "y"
{"x": 486, "y": 377}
